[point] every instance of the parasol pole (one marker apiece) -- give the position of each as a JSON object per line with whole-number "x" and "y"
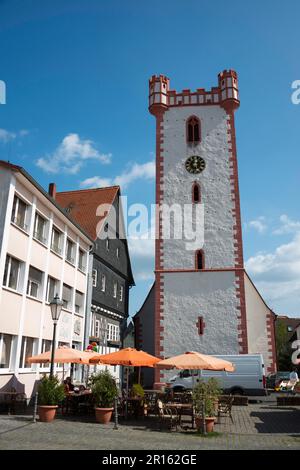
{"x": 139, "y": 376}
{"x": 127, "y": 386}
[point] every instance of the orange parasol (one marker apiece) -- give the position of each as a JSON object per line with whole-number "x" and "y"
{"x": 63, "y": 355}
{"x": 126, "y": 357}
{"x": 194, "y": 360}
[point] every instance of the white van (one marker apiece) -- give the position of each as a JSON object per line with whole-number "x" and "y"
{"x": 247, "y": 379}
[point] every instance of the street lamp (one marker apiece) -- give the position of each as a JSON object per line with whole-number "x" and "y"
{"x": 55, "y": 306}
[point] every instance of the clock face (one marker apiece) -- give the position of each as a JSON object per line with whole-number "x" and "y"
{"x": 195, "y": 164}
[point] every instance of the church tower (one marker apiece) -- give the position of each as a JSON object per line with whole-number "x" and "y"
{"x": 199, "y": 292}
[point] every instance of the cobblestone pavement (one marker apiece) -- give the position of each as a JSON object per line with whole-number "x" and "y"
{"x": 262, "y": 426}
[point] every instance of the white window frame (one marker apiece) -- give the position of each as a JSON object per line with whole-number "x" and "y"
{"x": 56, "y": 249}
{"x": 81, "y": 267}
{"x": 13, "y": 338}
{"x": 115, "y": 289}
{"x": 121, "y": 293}
{"x": 70, "y": 302}
{"x": 103, "y": 282}
{"x": 73, "y": 253}
{"x": 56, "y": 287}
{"x": 43, "y": 238}
{"x": 14, "y": 220}
{"x": 34, "y": 345}
{"x": 97, "y": 328}
{"x": 95, "y": 277}
{"x": 8, "y": 273}
{"x": 31, "y": 282}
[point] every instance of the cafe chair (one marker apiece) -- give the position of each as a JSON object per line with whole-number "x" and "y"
{"x": 167, "y": 416}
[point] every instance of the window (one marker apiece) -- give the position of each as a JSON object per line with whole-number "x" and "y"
{"x": 113, "y": 332}
{"x": 95, "y": 277}
{"x": 78, "y": 302}
{"x": 115, "y": 290}
{"x": 34, "y": 284}
{"x": 52, "y": 288}
{"x": 107, "y": 244}
{"x": 200, "y": 326}
{"x": 193, "y": 130}
{"x": 196, "y": 197}
{"x": 70, "y": 249}
{"x": 97, "y": 329}
{"x": 19, "y": 213}
{"x": 199, "y": 259}
{"x": 11, "y": 273}
{"x": 67, "y": 297}
{"x": 27, "y": 350}
{"x": 81, "y": 260}
{"x": 40, "y": 228}
{"x": 46, "y": 346}
{"x": 290, "y": 328}
{"x": 118, "y": 252}
{"x": 121, "y": 293}
{"x": 5, "y": 350}
{"x": 56, "y": 239}
{"x": 103, "y": 282}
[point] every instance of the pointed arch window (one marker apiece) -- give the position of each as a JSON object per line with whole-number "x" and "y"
{"x": 196, "y": 194}
{"x": 199, "y": 260}
{"x": 193, "y": 130}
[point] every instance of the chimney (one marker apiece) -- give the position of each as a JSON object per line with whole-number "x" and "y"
{"x": 52, "y": 190}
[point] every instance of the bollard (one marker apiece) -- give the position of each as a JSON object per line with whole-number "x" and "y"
{"x": 116, "y": 414}
{"x": 35, "y": 407}
{"x": 203, "y": 417}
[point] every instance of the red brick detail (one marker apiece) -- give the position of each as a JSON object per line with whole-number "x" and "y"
{"x": 272, "y": 367}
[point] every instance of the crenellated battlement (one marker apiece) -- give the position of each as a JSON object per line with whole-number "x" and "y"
{"x": 225, "y": 94}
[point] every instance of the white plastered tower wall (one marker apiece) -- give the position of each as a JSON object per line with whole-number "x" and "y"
{"x": 183, "y": 293}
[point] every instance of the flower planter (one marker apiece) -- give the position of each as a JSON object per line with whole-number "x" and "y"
{"x": 209, "y": 423}
{"x": 103, "y": 415}
{"x": 47, "y": 413}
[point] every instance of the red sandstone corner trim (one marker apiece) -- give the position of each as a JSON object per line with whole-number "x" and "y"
{"x": 271, "y": 342}
{"x": 237, "y": 230}
{"x": 159, "y": 285}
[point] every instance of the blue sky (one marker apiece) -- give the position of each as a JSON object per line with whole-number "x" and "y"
{"x": 77, "y": 89}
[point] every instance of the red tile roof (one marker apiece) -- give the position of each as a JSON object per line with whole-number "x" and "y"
{"x": 83, "y": 205}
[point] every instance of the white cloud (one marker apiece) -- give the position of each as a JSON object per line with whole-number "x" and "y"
{"x": 287, "y": 226}
{"x": 259, "y": 224}
{"x": 137, "y": 171}
{"x": 277, "y": 275}
{"x": 7, "y": 136}
{"x": 70, "y": 155}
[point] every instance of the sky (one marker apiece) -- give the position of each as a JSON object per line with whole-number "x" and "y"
{"x": 76, "y": 112}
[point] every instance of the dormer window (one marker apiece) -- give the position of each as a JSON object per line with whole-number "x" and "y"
{"x": 193, "y": 130}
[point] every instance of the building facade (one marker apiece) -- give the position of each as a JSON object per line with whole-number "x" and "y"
{"x": 203, "y": 298}
{"x": 99, "y": 212}
{"x": 42, "y": 252}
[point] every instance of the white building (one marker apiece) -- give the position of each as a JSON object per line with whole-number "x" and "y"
{"x": 42, "y": 252}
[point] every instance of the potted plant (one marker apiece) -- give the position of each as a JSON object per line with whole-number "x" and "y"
{"x": 137, "y": 391}
{"x": 50, "y": 394}
{"x": 205, "y": 399}
{"x": 104, "y": 390}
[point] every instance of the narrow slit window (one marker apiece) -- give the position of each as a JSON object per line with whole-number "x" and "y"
{"x": 196, "y": 196}
{"x": 193, "y": 130}
{"x": 199, "y": 260}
